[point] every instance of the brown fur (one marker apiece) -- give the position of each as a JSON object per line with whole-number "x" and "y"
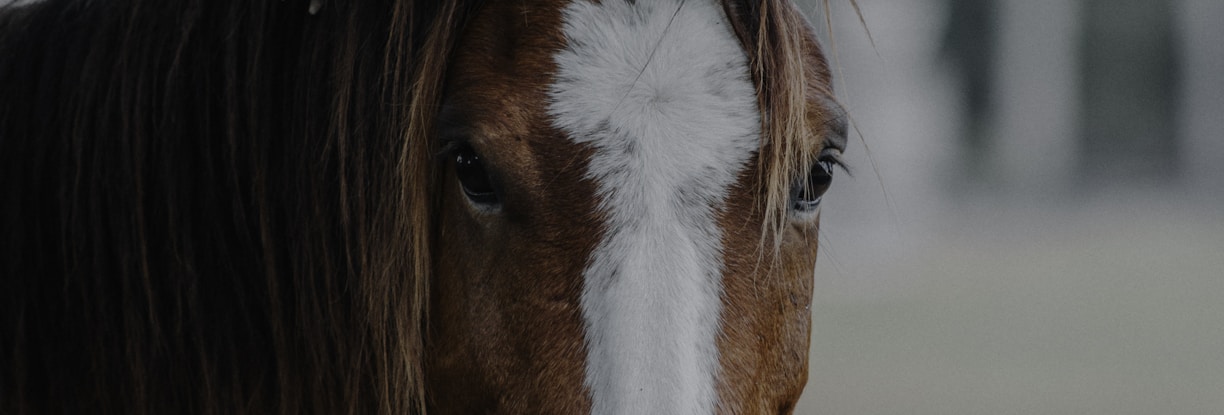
{"x": 766, "y": 318}
{"x": 505, "y": 329}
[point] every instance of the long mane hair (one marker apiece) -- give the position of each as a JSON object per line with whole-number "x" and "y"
{"x": 225, "y": 206}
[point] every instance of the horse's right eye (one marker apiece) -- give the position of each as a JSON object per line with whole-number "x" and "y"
{"x": 477, "y": 185}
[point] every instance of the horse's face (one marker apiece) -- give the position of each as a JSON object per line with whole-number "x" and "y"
{"x": 599, "y": 247}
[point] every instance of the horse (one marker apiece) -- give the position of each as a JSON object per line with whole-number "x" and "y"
{"x": 460, "y": 206}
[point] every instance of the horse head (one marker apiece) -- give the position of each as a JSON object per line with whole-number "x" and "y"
{"x": 604, "y": 241}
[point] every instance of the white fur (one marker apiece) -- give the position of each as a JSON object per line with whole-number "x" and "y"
{"x": 667, "y": 148}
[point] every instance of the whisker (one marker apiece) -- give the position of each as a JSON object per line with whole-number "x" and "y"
{"x": 649, "y": 58}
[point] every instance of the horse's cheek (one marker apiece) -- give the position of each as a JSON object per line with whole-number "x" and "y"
{"x": 505, "y": 332}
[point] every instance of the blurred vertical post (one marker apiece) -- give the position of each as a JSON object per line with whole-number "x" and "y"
{"x": 969, "y": 44}
{"x": 1201, "y": 110}
{"x": 1036, "y": 117}
{"x": 1128, "y": 83}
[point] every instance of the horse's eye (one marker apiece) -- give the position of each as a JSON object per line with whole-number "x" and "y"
{"x": 473, "y": 177}
{"x": 806, "y": 193}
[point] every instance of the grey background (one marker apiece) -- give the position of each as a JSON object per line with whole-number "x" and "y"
{"x": 1038, "y": 226}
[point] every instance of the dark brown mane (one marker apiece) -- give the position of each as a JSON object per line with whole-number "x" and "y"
{"x": 224, "y": 206}
{"x": 216, "y": 206}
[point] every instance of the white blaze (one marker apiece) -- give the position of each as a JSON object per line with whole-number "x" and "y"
{"x": 665, "y": 100}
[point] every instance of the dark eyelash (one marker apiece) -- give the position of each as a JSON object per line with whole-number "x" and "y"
{"x": 835, "y": 158}
{"x": 449, "y": 148}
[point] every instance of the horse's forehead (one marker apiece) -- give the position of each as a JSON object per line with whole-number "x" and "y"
{"x": 661, "y": 60}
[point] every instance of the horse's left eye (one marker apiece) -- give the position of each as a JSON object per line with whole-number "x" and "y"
{"x": 477, "y": 185}
{"x": 806, "y": 193}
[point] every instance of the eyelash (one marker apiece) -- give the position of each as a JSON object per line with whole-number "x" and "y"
{"x": 808, "y": 191}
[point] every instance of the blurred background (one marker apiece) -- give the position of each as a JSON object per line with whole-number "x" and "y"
{"x": 1035, "y": 220}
